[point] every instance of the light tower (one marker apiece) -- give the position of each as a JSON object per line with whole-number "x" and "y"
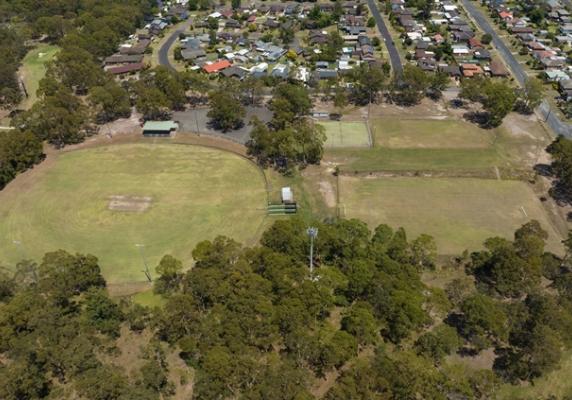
{"x": 312, "y": 233}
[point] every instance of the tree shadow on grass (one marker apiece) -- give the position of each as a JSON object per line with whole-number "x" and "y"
{"x": 481, "y": 118}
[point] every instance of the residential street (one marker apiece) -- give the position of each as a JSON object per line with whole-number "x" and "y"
{"x": 502, "y": 48}
{"x": 545, "y": 110}
{"x": 164, "y": 49}
{"x": 393, "y": 53}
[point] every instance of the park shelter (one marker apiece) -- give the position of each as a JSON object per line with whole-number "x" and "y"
{"x": 287, "y": 195}
{"x": 159, "y": 128}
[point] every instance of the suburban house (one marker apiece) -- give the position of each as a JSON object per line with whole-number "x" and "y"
{"x": 216, "y": 67}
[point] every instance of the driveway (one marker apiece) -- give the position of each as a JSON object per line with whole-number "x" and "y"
{"x": 173, "y": 36}
{"x": 396, "y": 63}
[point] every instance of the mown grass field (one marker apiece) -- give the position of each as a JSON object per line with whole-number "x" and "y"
{"x": 448, "y": 145}
{"x": 196, "y": 193}
{"x": 398, "y": 133}
{"x": 460, "y": 213}
{"x": 346, "y": 134}
{"x": 34, "y": 69}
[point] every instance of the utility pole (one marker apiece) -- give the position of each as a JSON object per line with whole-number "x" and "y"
{"x": 146, "y": 270}
{"x": 312, "y": 233}
{"x": 196, "y": 119}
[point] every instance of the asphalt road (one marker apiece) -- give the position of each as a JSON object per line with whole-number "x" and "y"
{"x": 545, "y": 110}
{"x": 393, "y": 53}
{"x": 502, "y": 48}
{"x": 173, "y": 36}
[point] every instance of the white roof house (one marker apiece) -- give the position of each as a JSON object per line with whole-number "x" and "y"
{"x": 262, "y": 67}
{"x": 302, "y": 74}
{"x": 461, "y": 50}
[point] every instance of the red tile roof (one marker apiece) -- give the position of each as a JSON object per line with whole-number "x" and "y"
{"x": 505, "y": 15}
{"x": 474, "y": 42}
{"x": 217, "y": 66}
{"x": 470, "y": 70}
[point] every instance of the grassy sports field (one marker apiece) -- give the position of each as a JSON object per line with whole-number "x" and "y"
{"x": 399, "y": 133}
{"x": 458, "y": 213}
{"x": 33, "y": 70}
{"x": 106, "y": 200}
{"x": 346, "y": 134}
{"x": 442, "y": 145}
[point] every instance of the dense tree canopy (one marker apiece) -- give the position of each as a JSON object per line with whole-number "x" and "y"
{"x": 13, "y": 50}
{"x": 498, "y": 98}
{"x": 18, "y": 152}
{"x": 561, "y": 152}
{"x": 226, "y": 112}
{"x": 290, "y": 138}
{"x": 255, "y": 324}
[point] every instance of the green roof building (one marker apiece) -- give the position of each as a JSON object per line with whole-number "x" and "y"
{"x": 160, "y": 128}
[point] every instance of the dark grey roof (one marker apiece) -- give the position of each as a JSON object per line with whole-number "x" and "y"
{"x": 193, "y": 54}
{"x": 325, "y": 74}
{"x": 234, "y": 72}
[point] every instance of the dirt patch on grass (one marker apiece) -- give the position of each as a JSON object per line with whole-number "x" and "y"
{"x": 129, "y": 203}
{"x": 181, "y": 375}
{"x": 127, "y": 289}
{"x": 131, "y": 346}
{"x": 123, "y": 126}
{"x": 519, "y": 125}
{"x": 483, "y": 360}
{"x": 328, "y": 192}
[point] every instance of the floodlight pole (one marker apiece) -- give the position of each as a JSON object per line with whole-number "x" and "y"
{"x": 146, "y": 270}
{"x": 312, "y": 233}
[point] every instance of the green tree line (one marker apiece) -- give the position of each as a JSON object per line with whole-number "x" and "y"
{"x": 254, "y": 323}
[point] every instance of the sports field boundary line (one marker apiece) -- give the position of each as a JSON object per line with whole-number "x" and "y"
{"x": 369, "y": 134}
{"x": 484, "y": 173}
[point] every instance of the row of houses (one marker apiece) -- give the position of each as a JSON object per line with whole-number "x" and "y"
{"x": 229, "y": 52}
{"x": 129, "y": 59}
{"x": 452, "y": 35}
{"x": 547, "y": 49}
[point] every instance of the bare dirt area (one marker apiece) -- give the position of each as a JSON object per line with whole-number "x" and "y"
{"x": 127, "y": 289}
{"x": 131, "y": 357}
{"x": 131, "y": 346}
{"x": 483, "y": 360}
{"x": 328, "y": 192}
{"x": 129, "y": 203}
{"x": 122, "y": 126}
{"x": 321, "y": 181}
{"x": 181, "y": 375}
